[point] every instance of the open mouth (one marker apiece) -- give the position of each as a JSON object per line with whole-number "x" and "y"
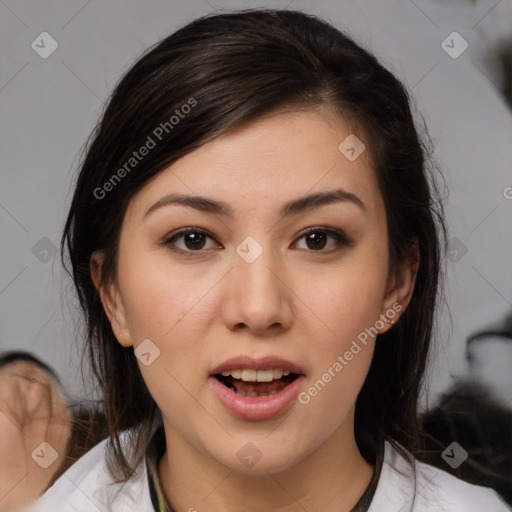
{"x": 249, "y": 386}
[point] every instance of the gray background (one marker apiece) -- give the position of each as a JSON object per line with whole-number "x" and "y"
{"x": 49, "y": 106}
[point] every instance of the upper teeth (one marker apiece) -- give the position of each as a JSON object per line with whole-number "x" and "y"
{"x": 256, "y": 375}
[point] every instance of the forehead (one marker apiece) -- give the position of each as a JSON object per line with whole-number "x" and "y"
{"x": 264, "y": 163}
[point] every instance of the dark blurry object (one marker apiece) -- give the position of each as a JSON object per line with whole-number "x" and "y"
{"x": 505, "y": 57}
{"x": 471, "y": 414}
{"x": 489, "y": 356}
{"x": 505, "y": 331}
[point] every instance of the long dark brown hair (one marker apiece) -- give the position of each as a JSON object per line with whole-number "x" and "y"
{"x": 232, "y": 68}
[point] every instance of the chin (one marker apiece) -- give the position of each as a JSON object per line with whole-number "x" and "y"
{"x": 258, "y": 458}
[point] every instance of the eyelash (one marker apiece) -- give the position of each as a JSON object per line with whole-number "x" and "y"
{"x": 341, "y": 239}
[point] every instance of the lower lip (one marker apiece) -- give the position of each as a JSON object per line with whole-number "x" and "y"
{"x": 257, "y": 408}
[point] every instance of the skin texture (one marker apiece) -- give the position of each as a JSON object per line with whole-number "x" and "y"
{"x": 33, "y": 410}
{"x": 303, "y": 302}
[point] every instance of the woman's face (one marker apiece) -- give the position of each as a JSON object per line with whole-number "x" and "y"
{"x": 265, "y": 279}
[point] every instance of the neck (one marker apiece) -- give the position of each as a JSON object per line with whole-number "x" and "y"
{"x": 332, "y": 478}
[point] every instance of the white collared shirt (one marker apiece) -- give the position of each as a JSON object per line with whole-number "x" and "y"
{"x": 87, "y": 486}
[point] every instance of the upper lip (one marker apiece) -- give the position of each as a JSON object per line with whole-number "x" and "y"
{"x": 257, "y": 363}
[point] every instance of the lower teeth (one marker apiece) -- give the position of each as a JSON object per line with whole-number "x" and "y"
{"x": 252, "y": 393}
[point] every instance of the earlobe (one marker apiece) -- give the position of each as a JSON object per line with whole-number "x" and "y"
{"x": 110, "y": 299}
{"x": 400, "y": 289}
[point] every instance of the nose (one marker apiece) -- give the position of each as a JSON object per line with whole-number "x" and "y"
{"x": 257, "y": 295}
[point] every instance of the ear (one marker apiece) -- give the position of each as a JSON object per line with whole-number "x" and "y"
{"x": 111, "y": 299}
{"x": 400, "y": 288}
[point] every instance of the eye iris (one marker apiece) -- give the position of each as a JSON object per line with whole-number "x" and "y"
{"x": 197, "y": 240}
{"x": 313, "y": 237}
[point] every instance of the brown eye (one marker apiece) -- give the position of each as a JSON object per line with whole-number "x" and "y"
{"x": 316, "y": 239}
{"x": 194, "y": 240}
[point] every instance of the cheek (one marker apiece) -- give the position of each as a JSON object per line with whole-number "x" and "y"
{"x": 348, "y": 300}
{"x": 345, "y": 298}
{"x": 158, "y": 299}
{"x": 340, "y": 370}
{"x": 168, "y": 307}
{"x": 174, "y": 321}
{"x": 341, "y": 360}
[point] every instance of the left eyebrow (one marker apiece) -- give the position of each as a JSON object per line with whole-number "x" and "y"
{"x": 309, "y": 202}
{"x": 320, "y": 199}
